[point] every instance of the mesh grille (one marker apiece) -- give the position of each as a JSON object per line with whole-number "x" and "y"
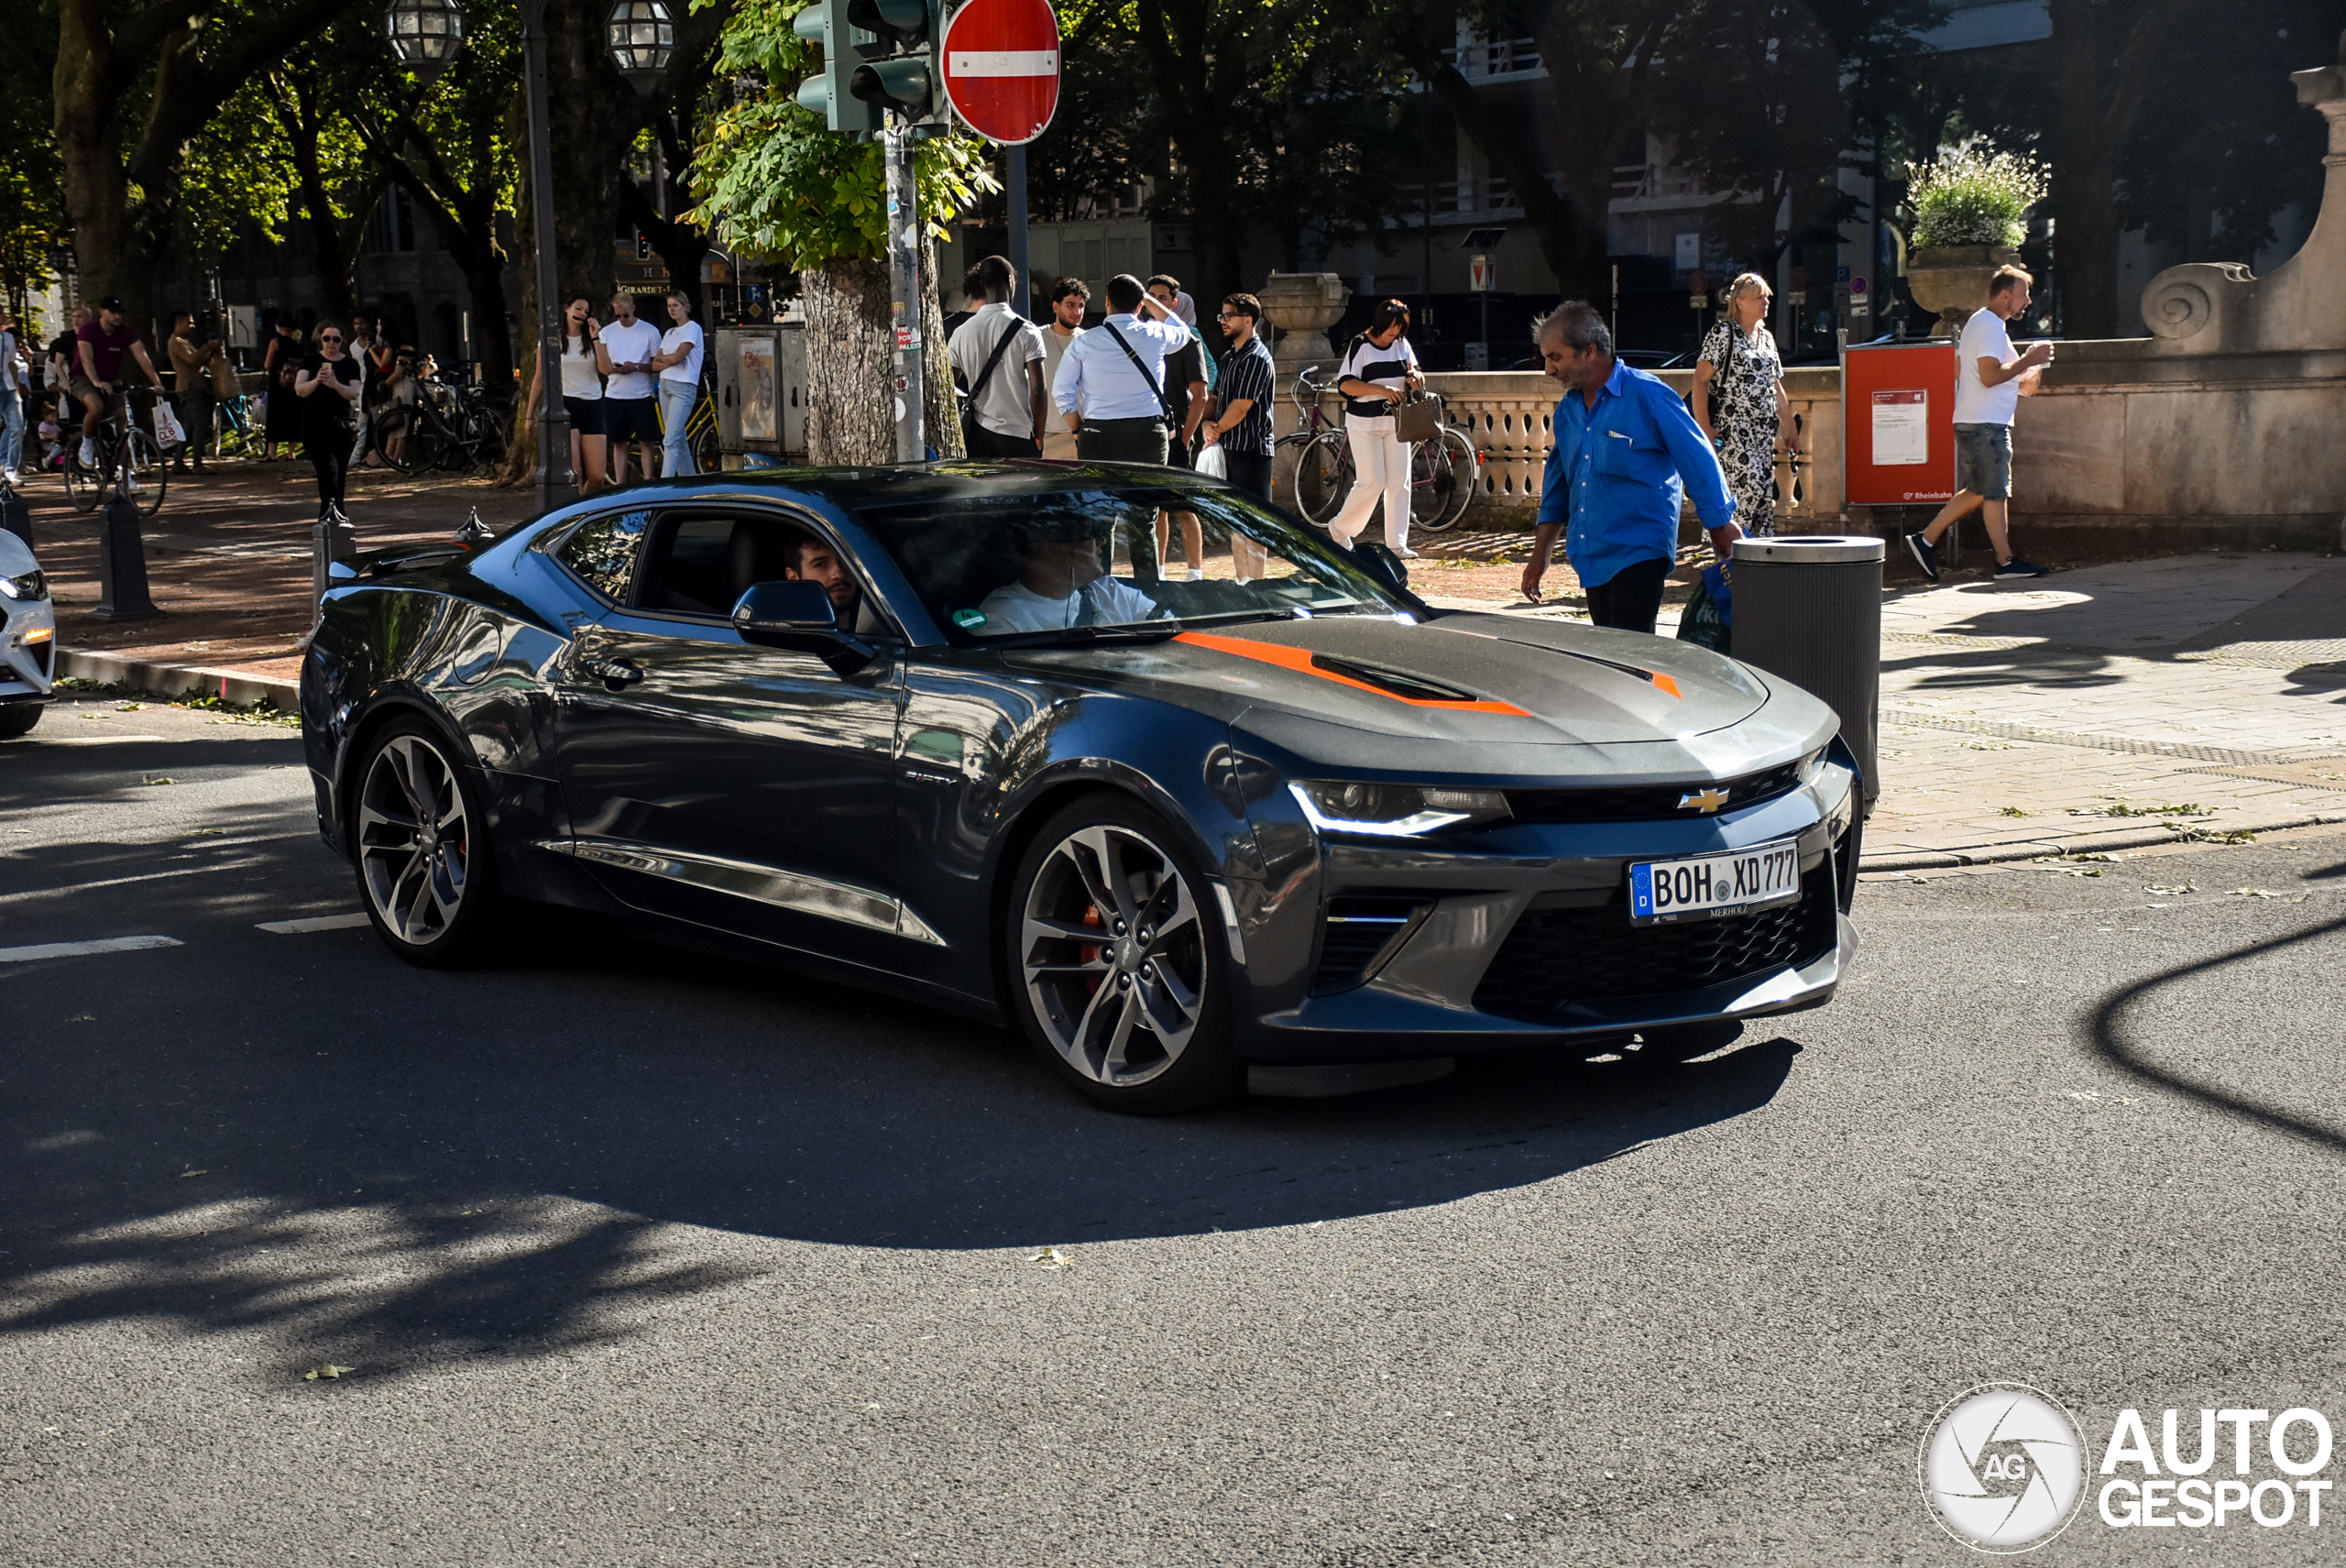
{"x": 1556, "y": 957}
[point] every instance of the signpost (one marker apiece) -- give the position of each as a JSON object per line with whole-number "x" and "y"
{"x": 1002, "y": 76}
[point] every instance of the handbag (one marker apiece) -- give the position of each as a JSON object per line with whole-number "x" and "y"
{"x": 1418, "y": 419}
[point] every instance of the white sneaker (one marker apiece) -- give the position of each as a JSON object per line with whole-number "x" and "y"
{"x": 1404, "y": 551}
{"x": 88, "y": 453}
{"x": 9, "y": 475}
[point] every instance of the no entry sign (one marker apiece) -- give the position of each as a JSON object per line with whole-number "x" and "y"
{"x": 1001, "y": 67}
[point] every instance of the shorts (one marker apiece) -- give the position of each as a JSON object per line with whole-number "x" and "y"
{"x": 630, "y": 419}
{"x": 586, "y": 414}
{"x": 1983, "y": 460}
{"x": 1121, "y": 441}
{"x": 83, "y": 387}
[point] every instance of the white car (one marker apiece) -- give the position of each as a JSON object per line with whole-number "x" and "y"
{"x": 28, "y": 638}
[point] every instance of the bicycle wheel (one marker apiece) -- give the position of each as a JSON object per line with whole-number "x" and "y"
{"x": 144, "y": 473}
{"x": 702, "y": 432}
{"x": 404, "y": 439}
{"x": 1441, "y": 481}
{"x": 80, "y": 484}
{"x": 1323, "y": 476}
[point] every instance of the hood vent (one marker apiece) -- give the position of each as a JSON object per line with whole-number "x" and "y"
{"x": 1411, "y": 688}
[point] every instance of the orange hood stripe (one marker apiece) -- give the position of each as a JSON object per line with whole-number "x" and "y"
{"x": 1299, "y": 660}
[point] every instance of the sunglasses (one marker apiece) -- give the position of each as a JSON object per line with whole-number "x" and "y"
{"x": 330, "y": 337}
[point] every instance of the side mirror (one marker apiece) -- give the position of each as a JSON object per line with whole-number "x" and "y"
{"x": 799, "y": 616}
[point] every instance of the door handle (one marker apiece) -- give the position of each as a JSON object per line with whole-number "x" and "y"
{"x": 617, "y": 674}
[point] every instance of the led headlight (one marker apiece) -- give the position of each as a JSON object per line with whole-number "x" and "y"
{"x": 33, "y": 585}
{"x": 1395, "y": 811}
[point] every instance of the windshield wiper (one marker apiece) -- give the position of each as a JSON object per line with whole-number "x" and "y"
{"x": 1086, "y": 636}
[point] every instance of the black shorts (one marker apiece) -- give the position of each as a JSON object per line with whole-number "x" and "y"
{"x": 586, "y": 414}
{"x": 631, "y": 419}
{"x": 984, "y": 443}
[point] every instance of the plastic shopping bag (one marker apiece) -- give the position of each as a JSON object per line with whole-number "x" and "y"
{"x": 1703, "y": 622}
{"x": 168, "y": 432}
{"x": 1210, "y": 463}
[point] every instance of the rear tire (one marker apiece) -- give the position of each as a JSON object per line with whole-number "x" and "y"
{"x": 1137, "y": 1021}
{"x": 1323, "y": 476}
{"x": 420, "y": 844}
{"x": 1448, "y": 466}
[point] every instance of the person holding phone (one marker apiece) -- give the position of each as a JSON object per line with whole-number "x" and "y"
{"x": 329, "y": 385}
{"x": 582, "y": 393}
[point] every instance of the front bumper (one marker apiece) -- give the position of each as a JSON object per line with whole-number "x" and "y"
{"x": 1501, "y": 951}
{"x": 28, "y": 649}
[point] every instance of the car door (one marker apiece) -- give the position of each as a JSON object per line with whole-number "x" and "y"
{"x": 743, "y": 787}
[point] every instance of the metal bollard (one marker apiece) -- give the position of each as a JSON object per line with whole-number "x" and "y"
{"x": 122, "y": 565}
{"x": 15, "y": 517}
{"x": 332, "y": 539}
{"x": 1809, "y": 609}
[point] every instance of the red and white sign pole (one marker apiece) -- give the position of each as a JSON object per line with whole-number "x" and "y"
{"x": 1002, "y": 76}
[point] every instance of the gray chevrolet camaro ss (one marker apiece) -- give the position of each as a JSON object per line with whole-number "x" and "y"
{"x": 955, "y": 733}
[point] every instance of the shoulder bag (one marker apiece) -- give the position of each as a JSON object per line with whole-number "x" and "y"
{"x": 1419, "y": 420}
{"x": 970, "y": 398}
{"x": 1153, "y": 384}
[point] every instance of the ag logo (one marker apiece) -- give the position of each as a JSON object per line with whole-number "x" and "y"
{"x": 2003, "y": 1467}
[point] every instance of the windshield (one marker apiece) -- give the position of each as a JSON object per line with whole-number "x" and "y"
{"x": 1061, "y": 565}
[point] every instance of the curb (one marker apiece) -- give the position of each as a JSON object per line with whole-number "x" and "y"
{"x": 1943, "y": 859}
{"x": 238, "y": 686}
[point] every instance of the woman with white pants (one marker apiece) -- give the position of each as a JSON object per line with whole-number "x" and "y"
{"x": 1379, "y": 371}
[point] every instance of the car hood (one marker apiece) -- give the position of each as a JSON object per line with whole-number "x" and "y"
{"x": 1464, "y": 679}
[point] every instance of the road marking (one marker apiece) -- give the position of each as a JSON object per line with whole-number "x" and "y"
{"x": 79, "y": 949}
{"x": 311, "y": 922}
{"x": 91, "y": 739}
{"x": 126, "y": 880}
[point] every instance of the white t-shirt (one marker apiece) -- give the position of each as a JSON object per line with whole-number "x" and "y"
{"x": 1004, "y": 406}
{"x": 581, "y": 378}
{"x": 687, "y": 369}
{"x": 1976, "y": 402}
{"x": 1386, "y": 367}
{"x": 631, "y": 343}
{"x": 1013, "y": 606}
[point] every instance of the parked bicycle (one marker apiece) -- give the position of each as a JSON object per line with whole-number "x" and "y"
{"x": 700, "y": 430}
{"x": 130, "y": 463}
{"x": 1442, "y": 472}
{"x": 446, "y": 425}
{"x": 237, "y": 424}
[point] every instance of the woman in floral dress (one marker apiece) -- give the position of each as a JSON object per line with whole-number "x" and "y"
{"x": 1740, "y": 402}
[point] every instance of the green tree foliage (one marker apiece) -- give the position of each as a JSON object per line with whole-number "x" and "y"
{"x": 777, "y": 183}
{"x": 32, "y": 219}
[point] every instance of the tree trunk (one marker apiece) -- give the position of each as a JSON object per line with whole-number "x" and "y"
{"x": 851, "y": 364}
{"x": 88, "y": 122}
{"x": 593, "y": 115}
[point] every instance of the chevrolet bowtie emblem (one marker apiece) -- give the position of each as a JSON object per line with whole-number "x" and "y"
{"x": 1702, "y": 800}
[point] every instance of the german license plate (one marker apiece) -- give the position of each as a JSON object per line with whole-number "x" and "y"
{"x": 1703, "y": 887}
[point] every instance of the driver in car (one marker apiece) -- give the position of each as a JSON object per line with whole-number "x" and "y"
{"x": 818, "y": 563}
{"x": 1063, "y": 581}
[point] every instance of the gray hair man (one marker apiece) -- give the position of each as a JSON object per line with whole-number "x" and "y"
{"x": 1627, "y": 453}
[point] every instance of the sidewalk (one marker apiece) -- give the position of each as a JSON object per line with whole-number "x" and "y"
{"x": 2080, "y": 713}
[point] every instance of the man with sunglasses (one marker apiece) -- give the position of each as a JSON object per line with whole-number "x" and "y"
{"x": 1241, "y": 422}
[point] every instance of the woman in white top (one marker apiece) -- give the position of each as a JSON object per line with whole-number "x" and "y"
{"x": 582, "y": 393}
{"x": 1380, "y": 369}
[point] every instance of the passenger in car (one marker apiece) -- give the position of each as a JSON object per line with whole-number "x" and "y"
{"x": 1062, "y": 581}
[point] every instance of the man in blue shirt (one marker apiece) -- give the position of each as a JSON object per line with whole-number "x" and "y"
{"x": 1116, "y": 373}
{"x": 1626, "y": 454}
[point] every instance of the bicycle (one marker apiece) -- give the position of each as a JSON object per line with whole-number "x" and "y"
{"x": 700, "y": 430}
{"x": 236, "y": 426}
{"x": 447, "y": 426}
{"x": 130, "y": 462}
{"x": 1442, "y": 472}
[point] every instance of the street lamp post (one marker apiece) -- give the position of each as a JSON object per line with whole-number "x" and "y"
{"x": 426, "y": 35}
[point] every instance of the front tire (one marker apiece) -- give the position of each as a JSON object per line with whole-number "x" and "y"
{"x": 19, "y": 719}
{"x": 419, "y": 841}
{"x": 1114, "y": 963}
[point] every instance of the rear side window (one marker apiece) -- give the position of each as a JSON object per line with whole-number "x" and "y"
{"x": 603, "y": 552}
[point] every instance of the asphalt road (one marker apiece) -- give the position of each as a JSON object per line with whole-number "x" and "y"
{"x": 636, "y": 1256}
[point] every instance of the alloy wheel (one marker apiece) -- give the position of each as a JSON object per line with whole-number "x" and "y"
{"x": 1113, "y": 954}
{"x": 414, "y": 842}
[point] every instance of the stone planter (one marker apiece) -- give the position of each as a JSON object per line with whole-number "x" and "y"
{"x": 1301, "y": 307}
{"x": 1953, "y": 281}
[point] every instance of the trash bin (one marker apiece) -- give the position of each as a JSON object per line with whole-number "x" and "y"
{"x": 1808, "y": 607}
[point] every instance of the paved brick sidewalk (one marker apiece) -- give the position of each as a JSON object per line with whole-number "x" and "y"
{"x": 2074, "y": 713}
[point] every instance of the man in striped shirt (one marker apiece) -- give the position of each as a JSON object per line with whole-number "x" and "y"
{"x": 1241, "y": 422}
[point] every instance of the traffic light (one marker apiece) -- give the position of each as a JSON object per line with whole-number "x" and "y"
{"x": 903, "y": 69}
{"x": 825, "y": 25}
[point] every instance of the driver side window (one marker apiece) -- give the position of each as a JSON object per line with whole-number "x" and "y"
{"x": 701, "y": 563}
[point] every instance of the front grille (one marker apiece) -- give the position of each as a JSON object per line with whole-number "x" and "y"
{"x": 1359, "y": 931}
{"x": 1557, "y": 957}
{"x": 1646, "y": 803}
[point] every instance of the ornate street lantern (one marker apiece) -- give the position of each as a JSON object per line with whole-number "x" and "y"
{"x": 644, "y": 36}
{"x": 425, "y": 34}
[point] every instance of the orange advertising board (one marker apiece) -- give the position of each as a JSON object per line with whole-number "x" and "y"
{"x": 1898, "y": 422}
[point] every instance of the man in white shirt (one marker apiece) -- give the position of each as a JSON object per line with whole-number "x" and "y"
{"x": 999, "y": 355}
{"x": 678, "y": 363}
{"x": 1989, "y": 378}
{"x": 1062, "y": 583}
{"x": 624, "y": 352}
{"x": 1116, "y": 373}
{"x": 1070, "y": 297}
